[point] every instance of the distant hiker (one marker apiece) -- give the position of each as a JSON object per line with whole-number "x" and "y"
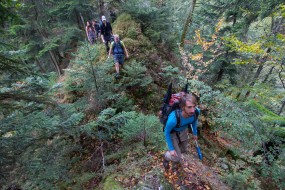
{"x": 90, "y": 32}
{"x": 106, "y": 32}
{"x": 97, "y": 28}
{"x": 119, "y": 52}
{"x": 177, "y": 136}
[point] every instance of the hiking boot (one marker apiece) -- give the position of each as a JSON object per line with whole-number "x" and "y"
{"x": 165, "y": 163}
{"x": 117, "y": 75}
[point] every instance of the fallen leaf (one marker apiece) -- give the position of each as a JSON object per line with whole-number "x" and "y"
{"x": 207, "y": 187}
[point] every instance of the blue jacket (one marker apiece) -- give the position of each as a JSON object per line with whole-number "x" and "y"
{"x": 172, "y": 122}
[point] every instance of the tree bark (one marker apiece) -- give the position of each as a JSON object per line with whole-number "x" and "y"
{"x": 282, "y": 80}
{"x": 44, "y": 35}
{"x": 54, "y": 61}
{"x": 267, "y": 76}
{"x": 282, "y": 107}
{"x": 187, "y": 23}
{"x": 255, "y": 78}
{"x": 256, "y": 74}
{"x": 39, "y": 65}
{"x": 101, "y": 7}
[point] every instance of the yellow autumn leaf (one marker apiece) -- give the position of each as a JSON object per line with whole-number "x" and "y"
{"x": 197, "y": 57}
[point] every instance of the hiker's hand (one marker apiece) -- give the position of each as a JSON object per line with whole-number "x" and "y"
{"x": 127, "y": 56}
{"x": 195, "y": 137}
{"x": 173, "y": 153}
{"x": 160, "y": 113}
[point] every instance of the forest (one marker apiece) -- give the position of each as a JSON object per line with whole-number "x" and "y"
{"x": 66, "y": 121}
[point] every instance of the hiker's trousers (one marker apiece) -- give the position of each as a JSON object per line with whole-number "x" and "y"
{"x": 180, "y": 142}
{"x": 107, "y": 39}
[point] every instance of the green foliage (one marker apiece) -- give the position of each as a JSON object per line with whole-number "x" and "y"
{"x": 131, "y": 33}
{"x": 108, "y": 123}
{"x": 126, "y": 27}
{"x": 8, "y": 11}
{"x": 44, "y": 124}
{"x": 111, "y": 183}
{"x": 43, "y": 30}
{"x": 169, "y": 71}
{"x": 41, "y": 142}
{"x": 269, "y": 116}
{"x": 153, "y": 17}
{"x": 237, "y": 45}
{"x": 242, "y": 180}
{"x": 144, "y": 128}
{"x": 137, "y": 76}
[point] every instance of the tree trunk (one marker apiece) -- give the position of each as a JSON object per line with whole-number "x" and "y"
{"x": 78, "y": 19}
{"x": 255, "y": 78}
{"x": 234, "y": 20}
{"x": 101, "y": 7}
{"x": 282, "y": 107}
{"x": 267, "y": 76}
{"x": 187, "y": 23}
{"x": 256, "y": 74}
{"x": 54, "y": 61}
{"x": 144, "y": 137}
{"x": 39, "y": 65}
{"x": 282, "y": 80}
{"x": 44, "y": 34}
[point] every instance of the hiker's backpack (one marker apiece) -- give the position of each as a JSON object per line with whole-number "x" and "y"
{"x": 118, "y": 48}
{"x": 171, "y": 103}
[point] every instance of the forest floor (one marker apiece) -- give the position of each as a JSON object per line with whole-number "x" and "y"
{"x": 193, "y": 174}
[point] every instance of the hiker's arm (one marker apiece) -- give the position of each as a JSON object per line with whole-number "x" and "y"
{"x": 86, "y": 32}
{"x": 110, "y": 51}
{"x": 170, "y": 124}
{"x": 125, "y": 50}
{"x": 102, "y": 38}
{"x": 194, "y": 126}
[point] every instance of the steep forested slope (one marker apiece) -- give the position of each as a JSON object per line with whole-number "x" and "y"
{"x": 66, "y": 123}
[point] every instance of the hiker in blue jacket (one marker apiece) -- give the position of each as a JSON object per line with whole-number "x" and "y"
{"x": 177, "y": 137}
{"x": 119, "y": 52}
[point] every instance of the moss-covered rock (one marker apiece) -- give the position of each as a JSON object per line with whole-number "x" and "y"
{"x": 127, "y": 27}
{"x": 130, "y": 32}
{"x": 111, "y": 183}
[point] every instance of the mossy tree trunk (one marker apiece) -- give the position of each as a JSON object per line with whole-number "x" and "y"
{"x": 187, "y": 23}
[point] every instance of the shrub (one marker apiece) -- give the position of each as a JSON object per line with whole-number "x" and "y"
{"x": 242, "y": 180}
{"x": 145, "y": 128}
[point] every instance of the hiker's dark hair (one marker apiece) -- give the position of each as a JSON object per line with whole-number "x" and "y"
{"x": 188, "y": 97}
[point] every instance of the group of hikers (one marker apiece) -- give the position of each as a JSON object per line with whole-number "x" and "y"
{"x": 177, "y": 121}
{"x": 105, "y": 31}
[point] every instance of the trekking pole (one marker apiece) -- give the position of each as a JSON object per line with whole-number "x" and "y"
{"x": 197, "y": 147}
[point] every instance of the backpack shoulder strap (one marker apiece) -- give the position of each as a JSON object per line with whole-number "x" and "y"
{"x": 112, "y": 45}
{"x": 196, "y": 114}
{"x": 121, "y": 43}
{"x": 177, "y": 115}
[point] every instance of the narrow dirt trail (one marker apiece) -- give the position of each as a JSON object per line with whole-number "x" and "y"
{"x": 194, "y": 175}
